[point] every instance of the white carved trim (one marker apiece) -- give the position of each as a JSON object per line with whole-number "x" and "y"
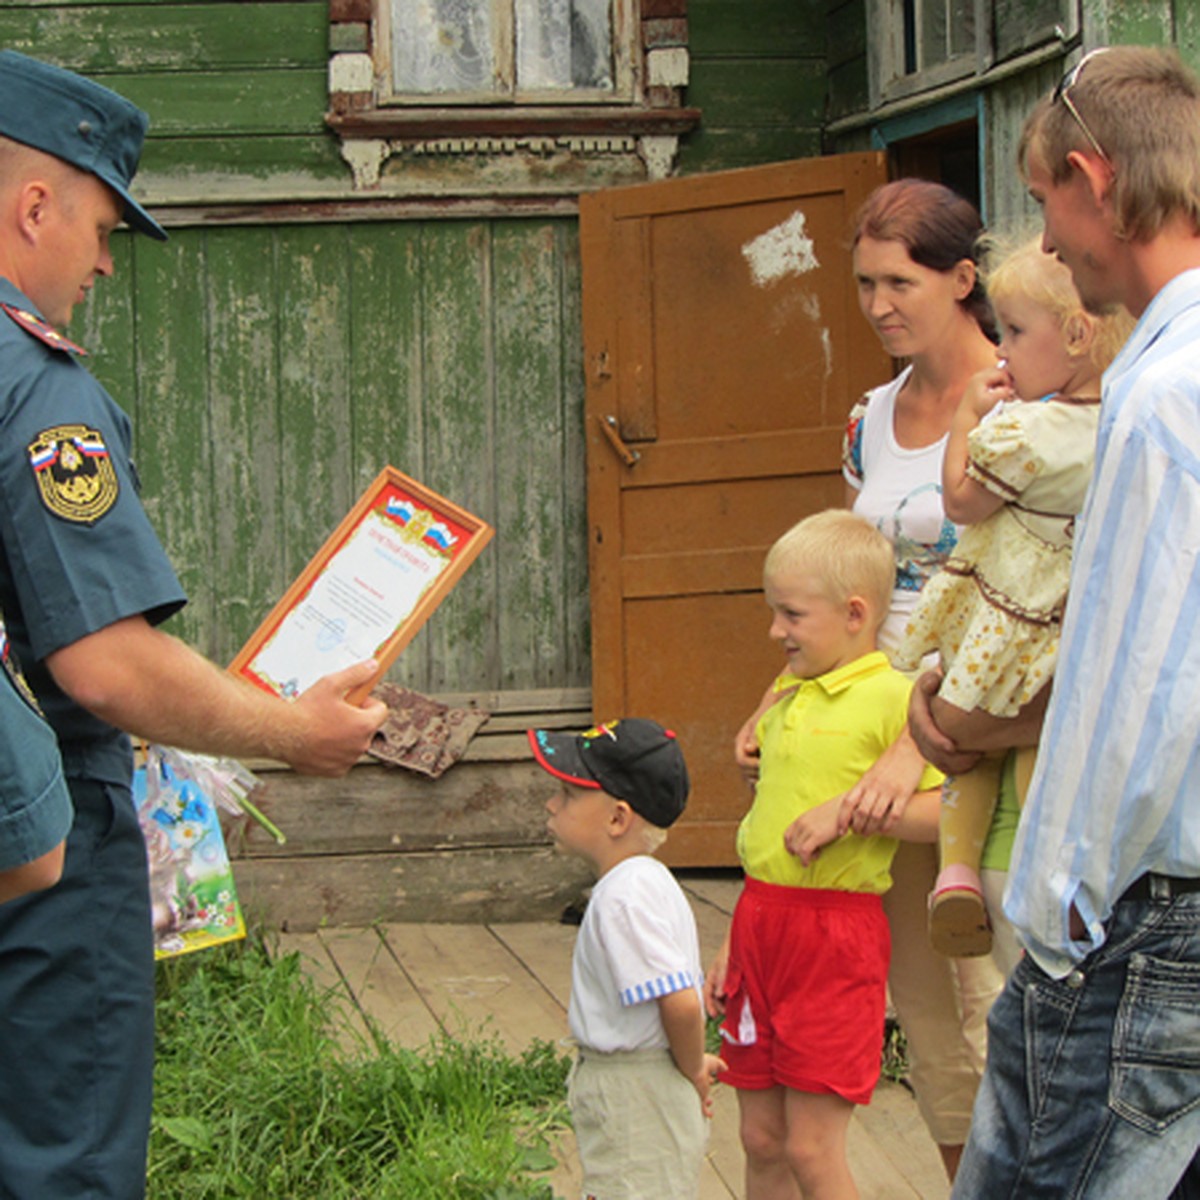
{"x": 658, "y": 153}
{"x": 365, "y": 157}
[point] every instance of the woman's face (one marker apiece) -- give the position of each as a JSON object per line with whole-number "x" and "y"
{"x": 909, "y": 306}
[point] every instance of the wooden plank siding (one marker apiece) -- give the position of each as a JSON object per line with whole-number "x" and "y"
{"x": 294, "y": 335}
{"x": 758, "y": 77}
{"x": 271, "y": 371}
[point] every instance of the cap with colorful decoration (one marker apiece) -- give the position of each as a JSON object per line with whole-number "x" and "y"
{"x": 635, "y": 760}
{"x": 79, "y": 121}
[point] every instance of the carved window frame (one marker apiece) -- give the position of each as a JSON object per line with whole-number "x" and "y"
{"x": 645, "y": 123}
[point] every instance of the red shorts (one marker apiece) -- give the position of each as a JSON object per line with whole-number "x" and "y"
{"x": 805, "y": 991}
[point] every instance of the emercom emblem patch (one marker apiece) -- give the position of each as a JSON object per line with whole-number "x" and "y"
{"x": 74, "y": 472}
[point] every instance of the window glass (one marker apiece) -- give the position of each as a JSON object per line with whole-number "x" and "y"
{"x": 563, "y": 44}
{"x": 442, "y": 46}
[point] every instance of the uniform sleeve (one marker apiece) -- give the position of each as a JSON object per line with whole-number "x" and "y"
{"x": 35, "y": 807}
{"x": 81, "y": 553}
{"x": 643, "y": 949}
{"x": 1000, "y": 454}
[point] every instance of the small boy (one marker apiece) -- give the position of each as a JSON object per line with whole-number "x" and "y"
{"x": 639, "y": 1093}
{"x": 801, "y": 978}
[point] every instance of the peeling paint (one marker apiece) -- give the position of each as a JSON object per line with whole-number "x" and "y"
{"x": 782, "y": 251}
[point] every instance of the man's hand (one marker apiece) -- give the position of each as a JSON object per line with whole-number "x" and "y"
{"x": 339, "y": 732}
{"x": 149, "y": 683}
{"x": 934, "y": 745}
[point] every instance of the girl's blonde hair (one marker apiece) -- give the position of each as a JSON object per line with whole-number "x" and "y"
{"x": 842, "y": 555}
{"x": 1020, "y": 267}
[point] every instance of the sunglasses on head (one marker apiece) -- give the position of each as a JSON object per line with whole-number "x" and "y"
{"x": 1063, "y": 93}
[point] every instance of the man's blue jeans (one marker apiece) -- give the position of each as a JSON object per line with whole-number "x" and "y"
{"x": 1092, "y": 1086}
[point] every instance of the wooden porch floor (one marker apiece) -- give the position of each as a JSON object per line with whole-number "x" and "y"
{"x": 512, "y": 981}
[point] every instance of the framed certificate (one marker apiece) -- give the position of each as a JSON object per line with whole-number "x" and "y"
{"x": 367, "y": 591}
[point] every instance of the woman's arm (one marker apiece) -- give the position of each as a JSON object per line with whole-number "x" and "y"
{"x": 878, "y": 799}
{"x": 745, "y": 742}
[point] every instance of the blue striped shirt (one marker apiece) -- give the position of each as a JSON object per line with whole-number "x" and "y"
{"x": 1116, "y": 792}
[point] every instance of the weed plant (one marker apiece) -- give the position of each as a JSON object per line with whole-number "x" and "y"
{"x": 256, "y": 1096}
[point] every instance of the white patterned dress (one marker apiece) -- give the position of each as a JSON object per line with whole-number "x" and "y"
{"x": 994, "y": 610}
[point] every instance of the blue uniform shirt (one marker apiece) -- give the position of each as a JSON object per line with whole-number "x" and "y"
{"x": 35, "y": 807}
{"x": 77, "y": 552}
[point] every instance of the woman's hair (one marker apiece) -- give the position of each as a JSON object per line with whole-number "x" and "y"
{"x": 843, "y": 556}
{"x": 1020, "y": 267}
{"x": 1142, "y": 105}
{"x": 937, "y": 227}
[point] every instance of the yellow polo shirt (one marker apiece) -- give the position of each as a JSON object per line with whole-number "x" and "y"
{"x": 816, "y": 744}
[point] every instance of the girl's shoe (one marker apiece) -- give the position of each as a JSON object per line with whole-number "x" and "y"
{"x": 958, "y": 922}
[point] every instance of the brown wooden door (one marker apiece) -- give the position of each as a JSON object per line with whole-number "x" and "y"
{"x": 724, "y": 348}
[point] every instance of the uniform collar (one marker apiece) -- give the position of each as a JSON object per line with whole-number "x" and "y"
{"x": 24, "y": 313}
{"x": 840, "y": 678}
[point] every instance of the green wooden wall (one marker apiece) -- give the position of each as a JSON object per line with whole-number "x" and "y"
{"x": 272, "y": 371}
{"x": 758, "y": 71}
{"x": 271, "y": 368}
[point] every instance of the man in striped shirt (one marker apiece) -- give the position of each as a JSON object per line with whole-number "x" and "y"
{"x": 1093, "y": 1077}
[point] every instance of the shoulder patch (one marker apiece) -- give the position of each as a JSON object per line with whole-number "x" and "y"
{"x": 74, "y": 472}
{"x": 43, "y": 331}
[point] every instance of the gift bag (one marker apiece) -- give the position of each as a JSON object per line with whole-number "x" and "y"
{"x": 192, "y": 895}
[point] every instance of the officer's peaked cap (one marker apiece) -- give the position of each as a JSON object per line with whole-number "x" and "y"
{"x": 77, "y": 120}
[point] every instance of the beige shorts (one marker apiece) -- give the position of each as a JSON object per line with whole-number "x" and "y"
{"x": 639, "y": 1126}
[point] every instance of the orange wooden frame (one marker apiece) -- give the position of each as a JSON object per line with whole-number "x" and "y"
{"x": 389, "y": 486}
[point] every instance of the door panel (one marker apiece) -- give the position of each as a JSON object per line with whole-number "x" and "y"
{"x": 724, "y": 348}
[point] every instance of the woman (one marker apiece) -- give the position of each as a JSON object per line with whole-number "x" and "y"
{"x": 915, "y": 265}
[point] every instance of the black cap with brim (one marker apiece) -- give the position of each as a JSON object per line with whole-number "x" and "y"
{"x": 79, "y": 121}
{"x": 635, "y": 760}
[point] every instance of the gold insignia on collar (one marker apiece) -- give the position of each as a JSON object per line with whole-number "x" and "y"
{"x": 74, "y": 472}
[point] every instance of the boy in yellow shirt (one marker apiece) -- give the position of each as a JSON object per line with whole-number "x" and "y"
{"x": 801, "y": 978}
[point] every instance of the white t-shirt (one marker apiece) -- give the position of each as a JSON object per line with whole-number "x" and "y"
{"x": 637, "y": 942}
{"x": 900, "y": 493}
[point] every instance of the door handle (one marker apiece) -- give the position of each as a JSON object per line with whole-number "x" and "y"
{"x": 625, "y": 453}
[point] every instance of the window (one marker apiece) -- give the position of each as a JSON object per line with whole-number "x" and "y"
{"x": 507, "y": 51}
{"x": 545, "y": 95}
{"x": 919, "y": 45}
{"x": 936, "y": 32}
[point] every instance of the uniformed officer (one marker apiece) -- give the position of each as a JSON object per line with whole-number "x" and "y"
{"x": 84, "y": 584}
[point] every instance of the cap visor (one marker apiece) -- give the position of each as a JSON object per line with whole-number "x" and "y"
{"x": 136, "y": 217}
{"x": 560, "y": 756}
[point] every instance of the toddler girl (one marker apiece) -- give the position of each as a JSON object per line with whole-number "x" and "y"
{"x": 1015, "y": 480}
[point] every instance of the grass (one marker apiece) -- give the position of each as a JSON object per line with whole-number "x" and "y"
{"x": 254, "y": 1098}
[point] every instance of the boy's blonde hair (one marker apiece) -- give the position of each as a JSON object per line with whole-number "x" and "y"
{"x": 1019, "y": 267}
{"x": 842, "y": 554}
